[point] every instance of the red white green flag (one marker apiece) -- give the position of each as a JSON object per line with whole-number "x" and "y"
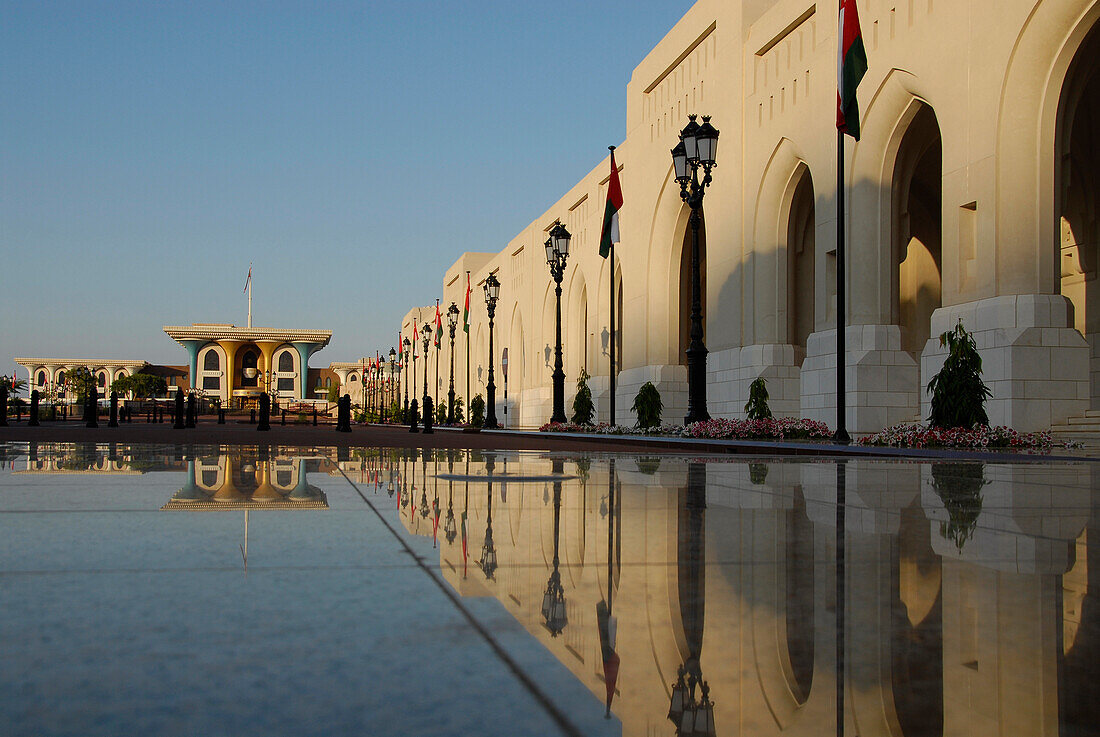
{"x": 851, "y": 67}
{"x": 438, "y": 326}
{"x": 416, "y": 338}
{"x": 610, "y": 232}
{"x": 466, "y": 309}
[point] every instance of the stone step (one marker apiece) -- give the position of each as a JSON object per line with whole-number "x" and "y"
{"x": 1086, "y": 420}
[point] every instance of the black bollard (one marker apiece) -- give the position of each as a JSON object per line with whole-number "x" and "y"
{"x": 3, "y": 405}
{"x": 265, "y": 413}
{"x": 428, "y": 415}
{"x": 252, "y": 416}
{"x": 32, "y": 421}
{"x": 221, "y": 415}
{"x": 177, "y": 415}
{"x": 93, "y": 408}
{"x": 282, "y": 421}
{"x": 192, "y": 410}
{"x": 18, "y": 409}
{"x": 113, "y": 421}
{"x": 315, "y": 415}
{"x": 414, "y": 417}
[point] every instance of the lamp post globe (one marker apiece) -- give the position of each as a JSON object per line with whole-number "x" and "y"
{"x": 492, "y": 294}
{"x": 557, "y": 254}
{"x": 452, "y": 325}
{"x": 695, "y": 150}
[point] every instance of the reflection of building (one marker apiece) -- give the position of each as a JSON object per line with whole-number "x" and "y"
{"x": 235, "y": 483}
{"x": 995, "y": 638}
{"x": 238, "y": 364}
{"x": 971, "y": 196}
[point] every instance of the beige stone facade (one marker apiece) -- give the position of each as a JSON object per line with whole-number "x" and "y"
{"x": 971, "y": 196}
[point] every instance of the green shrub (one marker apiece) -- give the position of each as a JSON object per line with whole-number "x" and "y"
{"x": 647, "y": 406}
{"x": 459, "y": 404}
{"x": 441, "y": 414}
{"x": 477, "y": 411}
{"x": 757, "y": 406}
{"x": 582, "y": 404}
{"x": 958, "y": 392}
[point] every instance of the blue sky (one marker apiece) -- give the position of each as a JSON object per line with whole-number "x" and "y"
{"x": 150, "y": 150}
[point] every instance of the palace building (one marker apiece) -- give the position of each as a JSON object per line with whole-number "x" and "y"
{"x": 971, "y": 196}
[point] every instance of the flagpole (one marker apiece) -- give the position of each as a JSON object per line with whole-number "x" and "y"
{"x": 611, "y": 372}
{"x": 467, "y": 326}
{"x": 841, "y": 434}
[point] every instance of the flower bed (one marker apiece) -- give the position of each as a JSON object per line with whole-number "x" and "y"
{"x": 774, "y": 428}
{"x": 977, "y": 437}
{"x": 714, "y": 429}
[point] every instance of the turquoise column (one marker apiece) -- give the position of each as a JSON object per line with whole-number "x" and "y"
{"x": 192, "y": 347}
{"x": 305, "y": 350}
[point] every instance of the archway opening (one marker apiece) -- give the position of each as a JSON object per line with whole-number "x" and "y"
{"x": 685, "y": 286}
{"x": 1078, "y": 180}
{"x": 800, "y": 265}
{"x": 917, "y": 227}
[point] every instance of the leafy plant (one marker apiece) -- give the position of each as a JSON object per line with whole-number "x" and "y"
{"x": 142, "y": 385}
{"x": 647, "y": 406}
{"x": 441, "y": 414}
{"x": 14, "y": 385}
{"x": 477, "y": 411}
{"x": 757, "y": 406}
{"x": 458, "y": 409}
{"x": 648, "y": 465}
{"x": 758, "y": 473}
{"x": 79, "y": 383}
{"x": 582, "y": 404}
{"x": 958, "y": 392}
{"x": 334, "y": 392}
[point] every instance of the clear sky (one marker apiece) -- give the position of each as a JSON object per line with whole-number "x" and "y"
{"x": 150, "y": 150}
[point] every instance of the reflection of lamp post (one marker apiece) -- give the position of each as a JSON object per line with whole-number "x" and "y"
{"x": 452, "y": 324}
{"x": 692, "y": 717}
{"x": 557, "y": 252}
{"x": 488, "y": 561}
{"x": 553, "y": 600}
{"x": 696, "y": 149}
{"x": 492, "y": 293}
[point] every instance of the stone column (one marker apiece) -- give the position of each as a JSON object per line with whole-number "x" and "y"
{"x": 305, "y": 350}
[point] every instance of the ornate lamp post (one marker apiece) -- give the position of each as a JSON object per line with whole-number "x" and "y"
{"x": 695, "y": 150}
{"x": 393, "y": 356}
{"x": 405, "y": 366}
{"x": 379, "y": 370}
{"x": 492, "y": 294}
{"x": 452, "y": 324}
{"x": 426, "y": 339}
{"x": 557, "y": 253}
{"x": 553, "y": 600}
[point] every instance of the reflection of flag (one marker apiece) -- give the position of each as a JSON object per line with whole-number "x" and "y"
{"x": 435, "y": 523}
{"x": 607, "y": 626}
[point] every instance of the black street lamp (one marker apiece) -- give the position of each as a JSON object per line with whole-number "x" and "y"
{"x": 492, "y": 293}
{"x": 557, "y": 253}
{"x": 393, "y": 357}
{"x": 452, "y": 324}
{"x": 426, "y": 339}
{"x": 553, "y": 600}
{"x": 695, "y": 149}
{"x": 405, "y": 366}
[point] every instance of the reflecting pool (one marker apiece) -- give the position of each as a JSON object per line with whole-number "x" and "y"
{"x": 230, "y": 590}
